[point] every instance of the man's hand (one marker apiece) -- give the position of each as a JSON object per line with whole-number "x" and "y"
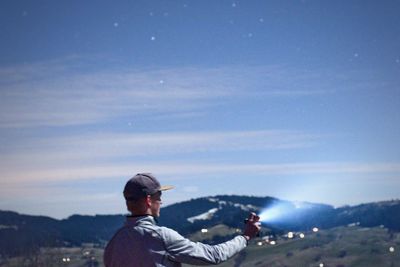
{"x": 252, "y": 226}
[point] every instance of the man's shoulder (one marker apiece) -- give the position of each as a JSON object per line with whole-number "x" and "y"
{"x": 161, "y": 230}
{"x": 148, "y": 224}
{"x": 169, "y": 235}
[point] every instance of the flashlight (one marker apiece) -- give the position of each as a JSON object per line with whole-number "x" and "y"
{"x": 254, "y": 219}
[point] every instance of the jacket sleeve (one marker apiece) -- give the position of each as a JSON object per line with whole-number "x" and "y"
{"x": 183, "y": 250}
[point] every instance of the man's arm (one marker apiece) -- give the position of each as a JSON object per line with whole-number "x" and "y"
{"x": 183, "y": 250}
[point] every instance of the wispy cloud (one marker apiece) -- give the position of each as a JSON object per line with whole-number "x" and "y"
{"x": 187, "y": 170}
{"x": 56, "y": 94}
{"x": 39, "y": 151}
{"x": 106, "y": 156}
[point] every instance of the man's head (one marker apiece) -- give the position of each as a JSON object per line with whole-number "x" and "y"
{"x": 143, "y": 194}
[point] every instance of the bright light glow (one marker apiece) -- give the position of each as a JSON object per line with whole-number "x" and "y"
{"x": 315, "y": 229}
{"x": 290, "y": 235}
{"x": 321, "y": 265}
{"x": 302, "y": 235}
{"x": 273, "y": 242}
{"x": 204, "y": 230}
{"x": 273, "y": 213}
{"x": 260, "y": 243}
{"x": 282, "y": 211}
{"x": 391, "y": 249}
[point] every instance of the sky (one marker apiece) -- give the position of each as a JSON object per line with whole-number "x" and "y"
{"x": 297, "y": 100}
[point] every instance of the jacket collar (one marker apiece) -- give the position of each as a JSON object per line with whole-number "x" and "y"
{"x": 133, "y": 220}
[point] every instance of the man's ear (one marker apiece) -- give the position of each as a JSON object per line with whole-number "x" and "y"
{"x": 148, "y": 201}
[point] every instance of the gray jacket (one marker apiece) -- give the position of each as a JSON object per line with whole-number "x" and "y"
{"x": 141, "y": 243}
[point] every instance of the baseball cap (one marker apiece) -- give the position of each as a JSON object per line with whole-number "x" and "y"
{"x": 141, "y": 185}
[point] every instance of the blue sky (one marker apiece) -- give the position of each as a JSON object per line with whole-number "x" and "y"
{"x": 293, "y": 99}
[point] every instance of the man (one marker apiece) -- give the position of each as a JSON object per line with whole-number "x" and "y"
{"x": 141, "y": 243}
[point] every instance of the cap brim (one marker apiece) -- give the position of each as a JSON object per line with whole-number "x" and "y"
{"x": 166, "y": 187}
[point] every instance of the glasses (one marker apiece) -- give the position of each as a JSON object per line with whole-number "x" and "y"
{"x": 156, "y": 196}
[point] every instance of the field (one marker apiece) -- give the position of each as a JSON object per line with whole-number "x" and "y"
{"x": 88, "y": 256}
{"x": 344, "y": 246}
{"x": 338, "y": 247}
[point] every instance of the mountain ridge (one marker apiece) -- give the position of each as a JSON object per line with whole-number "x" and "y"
{"x": 20, "y": 233}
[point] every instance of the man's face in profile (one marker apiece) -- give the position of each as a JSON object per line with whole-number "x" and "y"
{"x": 156, "y": 204}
